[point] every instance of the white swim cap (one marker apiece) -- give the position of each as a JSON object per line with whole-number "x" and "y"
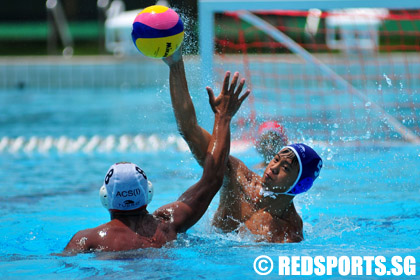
{"x": 125, "y": 188}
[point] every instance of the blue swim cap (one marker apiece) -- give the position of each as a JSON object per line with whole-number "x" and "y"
{"x": 310, "y": 164}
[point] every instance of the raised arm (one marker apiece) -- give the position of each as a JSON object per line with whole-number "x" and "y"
{"x": 193, "y": 203}
{"x": 197, "y": 138}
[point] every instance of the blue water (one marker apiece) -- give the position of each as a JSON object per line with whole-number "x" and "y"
{"x": 365, "y": 203}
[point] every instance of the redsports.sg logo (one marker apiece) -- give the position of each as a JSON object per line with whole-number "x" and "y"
{"x": 332, "y": 265}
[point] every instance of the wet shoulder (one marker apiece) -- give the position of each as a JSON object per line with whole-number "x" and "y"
{"x": 123, "y": 238}
{"x": 240, "y": 176}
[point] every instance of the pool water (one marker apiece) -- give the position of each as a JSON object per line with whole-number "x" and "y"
{"x": 365, "y": 203}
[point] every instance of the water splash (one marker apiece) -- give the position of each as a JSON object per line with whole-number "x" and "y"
{"x": 366, "y": 136}
{"x": 388, "y": 80}
{"x": 327, "y": 227}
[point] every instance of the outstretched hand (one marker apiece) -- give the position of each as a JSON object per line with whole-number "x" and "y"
{"x": 228, "y": 101}
{"x": 174, "y": 58}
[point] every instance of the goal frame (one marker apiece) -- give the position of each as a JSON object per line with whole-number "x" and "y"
{"x": 208, "y": 8}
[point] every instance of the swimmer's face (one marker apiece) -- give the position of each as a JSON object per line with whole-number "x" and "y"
{"x": 269, "y": 144}
{"x": 281, "y": 172}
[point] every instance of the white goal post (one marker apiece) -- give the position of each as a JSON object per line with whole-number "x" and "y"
{"x": 243, "y": 9}
{"x": 208, "y": 8}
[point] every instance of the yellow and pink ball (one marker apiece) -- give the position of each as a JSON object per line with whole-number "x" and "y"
{"x": 158, "y": 31}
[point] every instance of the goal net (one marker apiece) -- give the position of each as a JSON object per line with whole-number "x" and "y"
{"x": 343, "y": 74}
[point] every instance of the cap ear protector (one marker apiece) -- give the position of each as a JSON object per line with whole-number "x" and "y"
{"x": 310, "y": 164}
{"x": 103, "y": 194}
{"x": 150, "y": 192}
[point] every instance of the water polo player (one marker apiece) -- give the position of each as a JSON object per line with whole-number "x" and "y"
{"x": 126, "y": 193}
{"x": 263, "y": 205}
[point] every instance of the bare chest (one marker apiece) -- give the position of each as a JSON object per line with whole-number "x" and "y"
{"x": 265, "y": 226}
{"x": 274, "y": 229}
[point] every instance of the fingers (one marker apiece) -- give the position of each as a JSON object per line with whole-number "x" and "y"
{"x": 226, "y": 80}
{"x": 240, "y": 87}
{"x": 229, "y": 96}
{"x": 234, "y": 81}
{"x": 174, "y": 58}
{"x": 243, "y": 97}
